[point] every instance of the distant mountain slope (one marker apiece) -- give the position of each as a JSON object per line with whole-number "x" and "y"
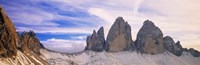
{"x": 119, "y": 58}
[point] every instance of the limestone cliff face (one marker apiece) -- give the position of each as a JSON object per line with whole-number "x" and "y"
{"x": 96, "y": 41}
{"x": 171, "y": 46}
{"x": 8, "y": 36}
{"x": 29, "y": 42}
{"x": 149, "y": 39}
{"x": 119, "y": 36}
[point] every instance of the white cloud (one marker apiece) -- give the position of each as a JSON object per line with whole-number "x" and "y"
{"x": 57, "y": 30}
{"x": 64, "y": 45}
{"x": 79, "y": 37}
{"x": 177, "y": 18}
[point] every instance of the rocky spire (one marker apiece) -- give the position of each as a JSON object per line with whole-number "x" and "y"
{"x": 149, "y": 39}
{"x": 119, "y": 36}
{"x": 29, "y": 42}
{"x": 96, "y": 41}
{"x": 171, "y": 46}
{"x": 8, "y": 36}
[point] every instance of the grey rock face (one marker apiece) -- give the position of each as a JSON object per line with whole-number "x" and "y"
{"x": 172, "y": 47}
{"x": 96, "y": 41}
{"x": 178, "y": 50}
{"x": 168, "y": 43}
{"x": 119, "y": 36}
{"x": 149, "y": 39}
{"x": 194, "y": 52}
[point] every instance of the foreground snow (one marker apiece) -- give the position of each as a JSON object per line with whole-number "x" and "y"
{"x": 119, "y": 58}
{"x": 23, "y": 59}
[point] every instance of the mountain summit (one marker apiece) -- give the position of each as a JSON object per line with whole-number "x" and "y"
{"x": 149, "y": 39}
{"x": 119, "y": 36}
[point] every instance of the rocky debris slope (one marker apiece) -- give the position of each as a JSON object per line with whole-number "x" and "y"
{"x": 8, "y": 36}
{"x": 11, "y": 47}
{"x": 96, "y": 41}
{"x": 149, "y": 39}
{"x": 119, "y": 58}
{"x": 119, "y": 36}
{"x": 23, "y": 59}
{"x": 29, "y": 42}
{"x": 171, "y": 46}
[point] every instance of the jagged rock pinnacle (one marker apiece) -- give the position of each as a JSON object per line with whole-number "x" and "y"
{"x": 149, "y": 39}
{"x": 119, "y": 36}
{"x": 96, "y": 41}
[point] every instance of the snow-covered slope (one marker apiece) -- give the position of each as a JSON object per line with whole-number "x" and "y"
{"x": 119, "y": 58}
{"x": 23, "y": 59}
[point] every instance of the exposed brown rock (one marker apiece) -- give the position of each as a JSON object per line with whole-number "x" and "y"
{"x": 149, "y": 39}
{"x": 8, "y": 36}
{"x": 119, "y": 36}
{"x": 29, "y": 42}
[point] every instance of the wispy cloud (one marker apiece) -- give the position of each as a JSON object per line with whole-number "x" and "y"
{"x": 57, "y": 30}
{"x": 172, "y": 16}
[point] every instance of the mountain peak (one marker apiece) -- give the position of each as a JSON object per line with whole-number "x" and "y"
{"x": 149, "y": 39}
{"x": 30, "y": 42}
{"x": 96, "y": 41}
{"x": 119, "y": 36}
{"x": 148, "y": 23}
{"x": 119, "y": 20}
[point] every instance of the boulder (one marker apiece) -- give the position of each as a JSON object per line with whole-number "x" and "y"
{"x": 8, "y": 36}
{"x": 29, "y": 43}
{"x": 149, "y": 39}
{"x": 96, "y": 41}
{"x": 119, "y": 36}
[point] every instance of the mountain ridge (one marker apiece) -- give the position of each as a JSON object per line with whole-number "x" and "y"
{"x": 24, "y": 48}
{"x": 149, "y": 40}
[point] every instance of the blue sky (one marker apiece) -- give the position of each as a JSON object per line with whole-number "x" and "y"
{"x": 63, "y": 25}
{"x": 51, "y": 21}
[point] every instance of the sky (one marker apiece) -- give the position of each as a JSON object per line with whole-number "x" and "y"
{"x": 63, "y": 25}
